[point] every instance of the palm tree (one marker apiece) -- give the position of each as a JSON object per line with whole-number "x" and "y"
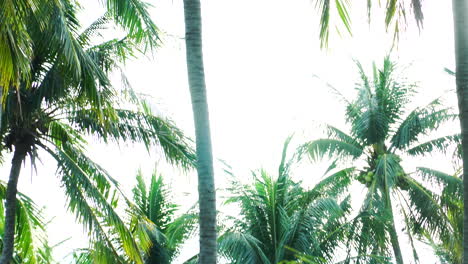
{"x": 157, "y": 215}
{"x": 196, "y": 77}
{"x": 396, "y": 11}
{"x": 279, "y": 218}
{"x": 66, "y": 97}
{"x": 31, "y": 239}
{"x": 166, "y": 231}
{"x": 382, "y": 133}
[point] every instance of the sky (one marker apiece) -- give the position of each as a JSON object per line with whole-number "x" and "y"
{"x": 267, "y": 78}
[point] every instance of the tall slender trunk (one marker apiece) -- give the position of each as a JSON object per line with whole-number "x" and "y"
{"x": 392, "y": 232}
{"x": 206, "y": 186}
{"x": 460, "y": 22}
{"x": 10, "y": 204}
{"x": 395, "y": 243}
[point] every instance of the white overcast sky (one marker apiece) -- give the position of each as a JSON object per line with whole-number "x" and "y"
{"x": 261, "y": 61}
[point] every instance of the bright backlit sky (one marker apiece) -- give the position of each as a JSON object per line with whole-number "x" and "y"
{"x": 262, "y": 60}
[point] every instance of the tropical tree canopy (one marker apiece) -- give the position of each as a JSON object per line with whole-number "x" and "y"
{"x": 68, "y": 96}
{"x": 279, "y": 218}
{"x": 382, "y": 133}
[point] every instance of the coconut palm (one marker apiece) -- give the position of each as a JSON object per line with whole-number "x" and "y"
{"x": 279, "y": 218}
{"x": 196, "y": 77}
{"x": 66, "y": 98}
{"x": 396, "y": 15}
{"x": 382, "y": 133}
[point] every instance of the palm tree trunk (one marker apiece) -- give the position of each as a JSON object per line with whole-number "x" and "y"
{"x": 460, "y": 21}
{"x": 395, "y": 244}
{"x": 393, "y": 233}
{"x": 10, "y": 204}
{"x": 206, "y": 186}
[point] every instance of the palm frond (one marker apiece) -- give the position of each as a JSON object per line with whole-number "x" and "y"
{"x": 426, "y": 212}
{"x": 133, "y": 16}
{"x": 241, "y": 248}
{"x": 336, "y": 133}
{"x": 93, "y": 29}
{"x": 419, "y": 122}
{"x": 135, "y": 127}
{"x": 324, "y": 7}
{"x": 333, "y": 185}
{"x": 89, "y": 193}
{"x": 166, "y": 232}
{"x": 392, "y": 11}
{"x": 387, "y": 171}
{"x": 452, "y": 184}
{"x": 439, "y": 144}
{"x": 321, "y": 148}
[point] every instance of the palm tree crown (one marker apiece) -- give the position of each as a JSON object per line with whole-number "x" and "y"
{"x": 279, "y": 218}
{"x": 382, "y": 133}
{"x": 68, "y": 96}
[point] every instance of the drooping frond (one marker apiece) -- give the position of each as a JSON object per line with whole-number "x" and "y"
{"x": 439, "y": 144}
{"x": 180, "y": 229}
{"x": 319, "y": 228}
{"x": 333, "y": 185}
{"x": 15, "y": 42}
{"x": 335, "y": 133}
{"x": 419, "y": 122}
{"x": 94, "y": 29}
{"x": 90, "y": 197}
{"x": 31, "y": 245}
{"x": 324, "y": 7}
{"x": 425, "y": 210}
{"x": 241, "y": 248}
{"x": 321, "y": 148}
{"x": 448, "y": 243}
{"x": 451, "y": 183}
{"x": 367, "y": 233}
{"x": 130, "y": 126}
{"x": 134, "y": 17}
{"x": 395, "y": 9}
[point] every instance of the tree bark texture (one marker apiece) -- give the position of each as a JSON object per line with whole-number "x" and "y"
{"x": 460, "y": 21}
{"x": 10, "y": 205}
{"x": 206, "y": 185}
